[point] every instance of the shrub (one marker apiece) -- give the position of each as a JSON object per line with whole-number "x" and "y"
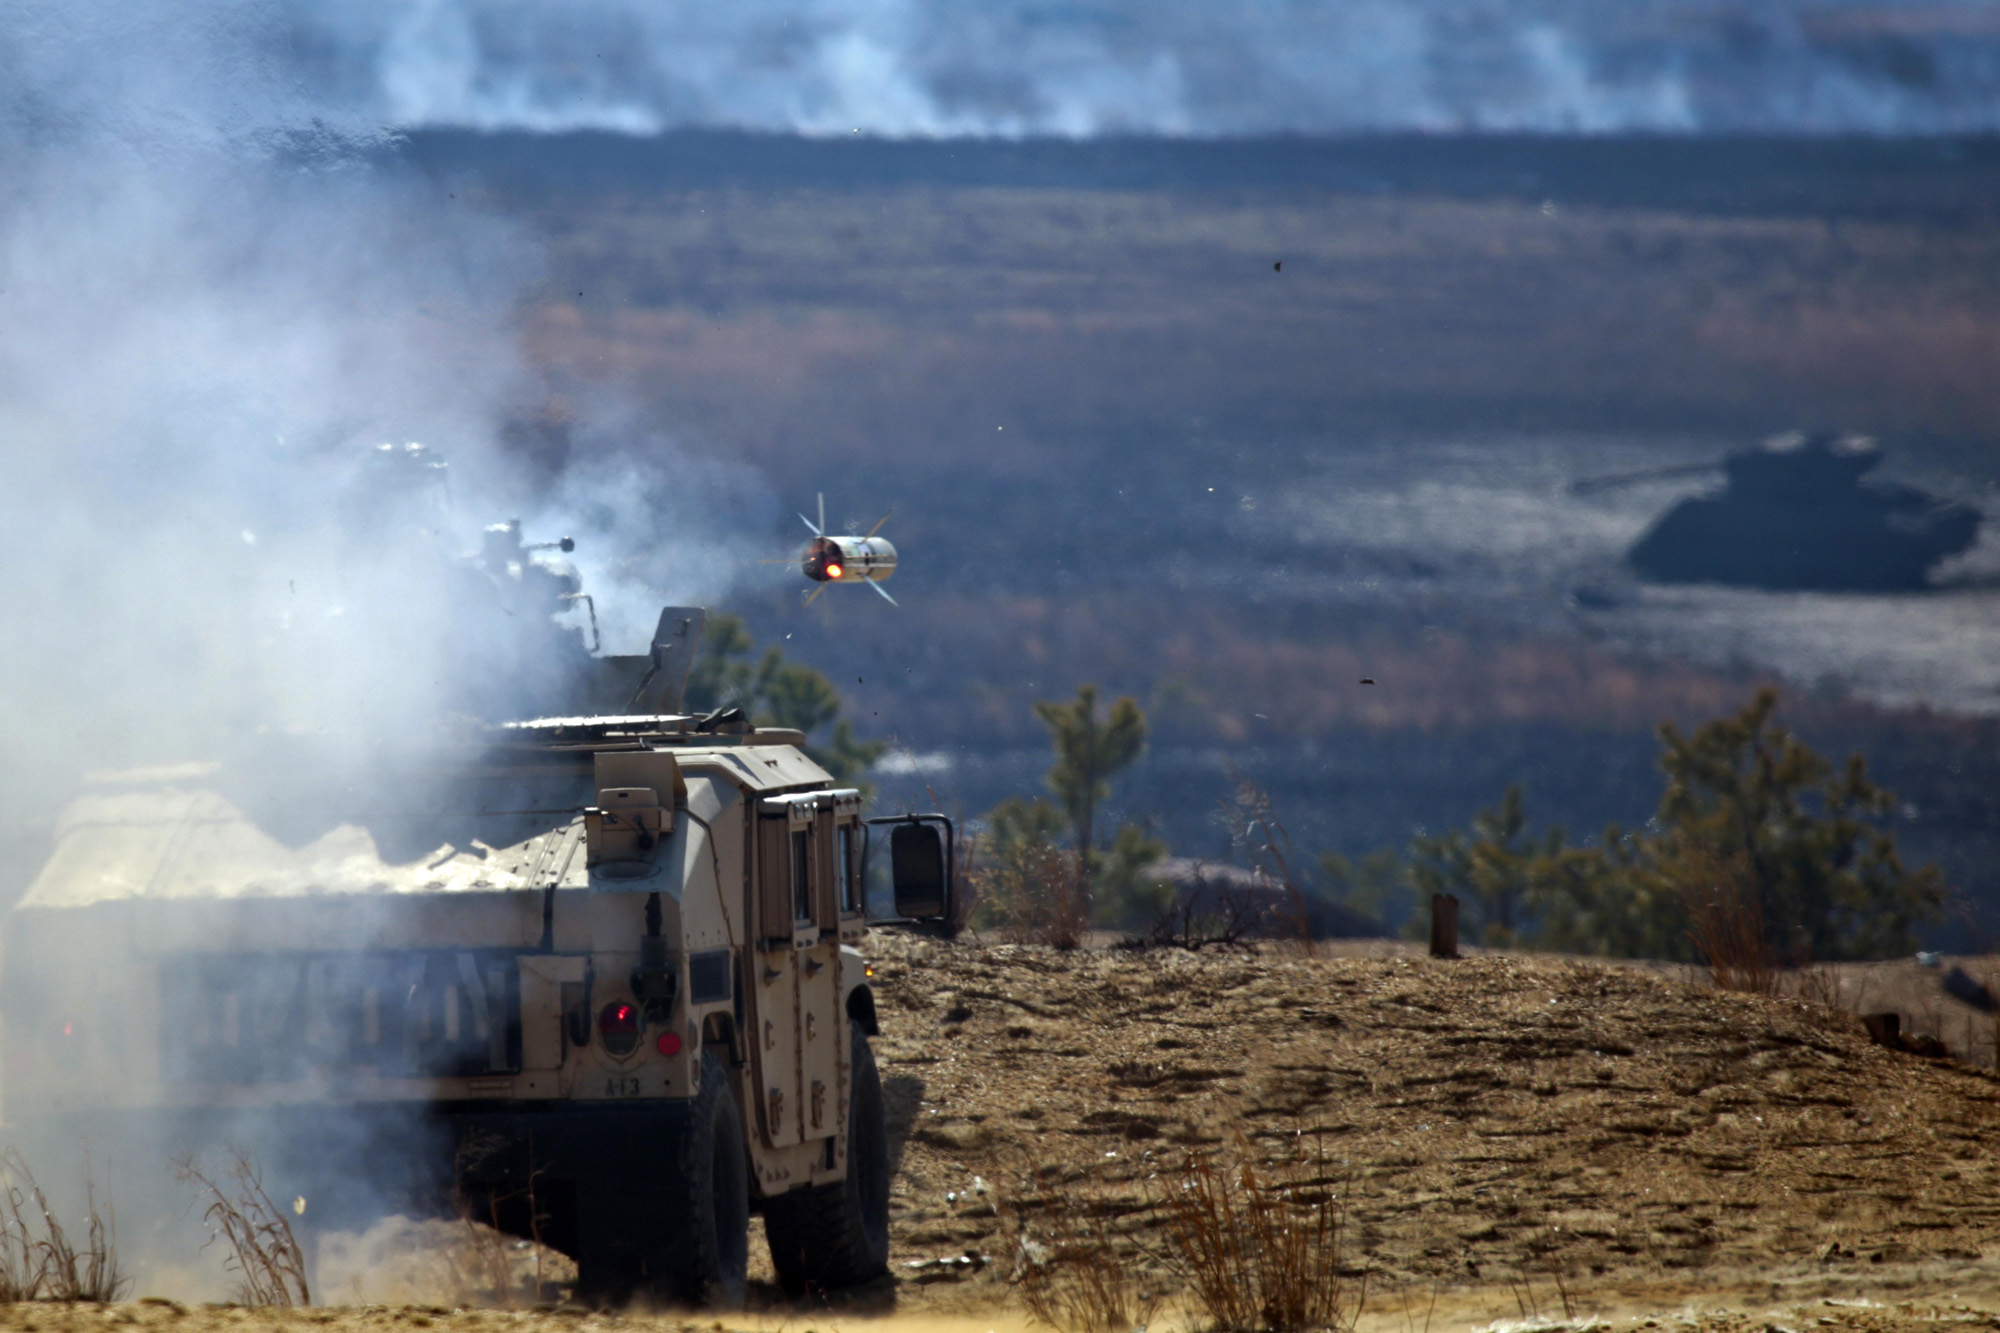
{"x": 38, "y": 1261}
{"x": 270, "y": 1266}
{"x": 1073, "y": 1269}
{"x": 1725, "y": 921}
{"x": 1753, "y": 827}
{"x": 1258, "y": 1244}
{"x": 1209, "y": 913}
{"x": 1032, "y": 891}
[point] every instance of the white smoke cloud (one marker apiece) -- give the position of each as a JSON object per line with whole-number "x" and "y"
{"x": 1203, "y": 67}
{"x": 210, "y": 316}
{"x": 654, "y": 525}
{"x": 213, "y": 314}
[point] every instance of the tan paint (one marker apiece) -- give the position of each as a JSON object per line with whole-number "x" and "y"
{"x": 155, "y": 875}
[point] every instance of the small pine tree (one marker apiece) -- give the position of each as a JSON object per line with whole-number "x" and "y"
{"x": 1752, "y": 823}
{"x": 1488, "y": 866}
{"x": 1090, "y": 751}
{"x": 1827, "y": 879}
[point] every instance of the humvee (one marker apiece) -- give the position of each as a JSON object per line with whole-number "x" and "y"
{"x": 597, "y": 975}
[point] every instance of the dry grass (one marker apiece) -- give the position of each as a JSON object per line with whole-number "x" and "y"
{"x": 1269, "y": 848}
{"x": 1818, "y": 984}
{"x": 1726, "y": 922}
{"x": 1905, "y": 1302}
{"x": 38, "y": 1261}
{"x": 1258, "y": 1243}
{"x": 967, "y": 875}
{"x": 483, "y": 1264}
{"x": 1507, "y": 1113}
{"x": 1075, "y": 1271}
{"x": 264, "y": 1252}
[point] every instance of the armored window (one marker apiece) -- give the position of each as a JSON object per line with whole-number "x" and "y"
{"x": 802, "y": 895}
{"x": 843, "y": 869}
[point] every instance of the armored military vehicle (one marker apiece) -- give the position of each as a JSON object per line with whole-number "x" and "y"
{"x": 597, "y": 975}
{"x": 1799, "y": 514}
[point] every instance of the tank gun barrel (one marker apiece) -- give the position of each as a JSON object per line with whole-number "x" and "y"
{"x": 1594, "y": 485}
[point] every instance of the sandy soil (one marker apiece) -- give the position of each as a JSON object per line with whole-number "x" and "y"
{"x": 1525, "y": 1142}
{"x": 1830, "y": 1315}
{"x": 1503, "y": 1120}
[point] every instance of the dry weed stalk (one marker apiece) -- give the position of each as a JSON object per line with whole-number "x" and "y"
{"x": 1039, "y": 895}
{"x": 1933, "y": 1014}
{"x": 48, "y": 1265}
{"x": 1409, "y": 1324}
{"x": 1271, "y": 856}
{"x": 480, "y": 1266}
{"x": 1206, "y": 914}
{"x": 1820, "y": 985}
{"x": 1072, "y": 1272}
{"x": 264, "y": 1251}
{"x": 1258, "y": 1245}
{"x": 20, "y": 1275}
{"x": 1726, "y": 921}
{"x": 966, "y": 879}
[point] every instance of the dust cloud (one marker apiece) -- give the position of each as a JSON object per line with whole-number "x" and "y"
{"x": 223, "y": 326}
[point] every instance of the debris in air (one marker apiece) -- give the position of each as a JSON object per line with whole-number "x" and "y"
{"x": 1368, "y": 680}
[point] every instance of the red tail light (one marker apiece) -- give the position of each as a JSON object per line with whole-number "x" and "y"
{"x": 669, "y": 1043}
{"x": 618, "y": 1024}
{"x": 68, "y": 1044}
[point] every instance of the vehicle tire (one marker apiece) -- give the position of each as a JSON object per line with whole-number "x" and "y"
{"x": 829, "y": 1236}
{"x": 676, "y": 1228}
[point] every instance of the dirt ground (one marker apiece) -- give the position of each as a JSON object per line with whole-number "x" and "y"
{"x": 1525, "y": 1142}
{"x": 1827, "y": 1315}
{"x": 1502, "y": 1121}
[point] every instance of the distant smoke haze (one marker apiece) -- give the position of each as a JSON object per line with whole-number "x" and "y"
{"x": 1168, "y": 67}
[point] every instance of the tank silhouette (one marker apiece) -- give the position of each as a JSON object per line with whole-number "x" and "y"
{"x": 1798, "y": 514}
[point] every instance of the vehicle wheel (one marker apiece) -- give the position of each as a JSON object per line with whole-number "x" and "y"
{"x": 677, "y": 1227}
{"x": 829, "y": 1236}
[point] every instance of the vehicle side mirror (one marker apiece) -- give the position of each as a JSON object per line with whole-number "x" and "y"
{"x": 920, "y": 864}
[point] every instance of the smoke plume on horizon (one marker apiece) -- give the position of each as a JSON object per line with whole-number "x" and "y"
{"x": 923, "y": 68}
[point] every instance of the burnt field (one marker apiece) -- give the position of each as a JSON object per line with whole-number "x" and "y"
{"x": 1233, "y": 426}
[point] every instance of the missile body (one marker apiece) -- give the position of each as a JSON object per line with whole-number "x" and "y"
{"x": 849, "y": 560}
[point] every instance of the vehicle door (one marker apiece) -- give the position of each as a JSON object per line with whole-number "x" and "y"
{"x": 787, "y": 925}
{"x": 824, "y": 1053}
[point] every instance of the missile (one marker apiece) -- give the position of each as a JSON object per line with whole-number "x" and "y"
{"x": 832, "y": 559}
